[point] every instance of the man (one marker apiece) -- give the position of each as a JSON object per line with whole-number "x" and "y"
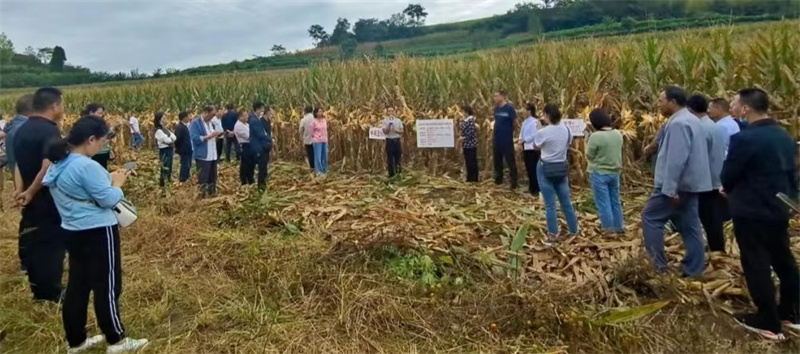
{"x": 216, "y": 124}
{"x": 761, "y": 164}
{"x": 247, "y": 165}
{"x": 504, "y": 116}
{"x": 183, "y": 145}
{"x": 229, "y": 120}
{"x": 40, "y": 228}
{"x": 261, "y": 140}
{"x": 305, "y": 133}
{"x": 137, "y": 140}
{"x": 718, "y": 111}
{"x": 711, "y": 204}
{"x": 681, "y": 173}
{"x": 393, "y": 129}
{"x": 104, "y": 154}
{"x": 24, "y": 108}
{"x": 204, "y": 145}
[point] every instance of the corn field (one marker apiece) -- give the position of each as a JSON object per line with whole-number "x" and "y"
{"x": 624, "y": 75}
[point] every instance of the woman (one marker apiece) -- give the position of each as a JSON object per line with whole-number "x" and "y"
{"x": 165, "y": 140}
{"x": 469, "y": 141}
{"x": 319, "y": 137}
{"x": 553, "y": 142}
{"x": 530, "y": 155}
{"x": 85, "y": 194}
{"x": 604, "y": 154}
{"x": 242, "y": 133}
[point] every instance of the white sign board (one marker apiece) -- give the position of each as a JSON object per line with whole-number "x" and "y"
{"x": 376, "y": 134}
{"x": 435, "y": 133}
{"x": 576, "y": 126}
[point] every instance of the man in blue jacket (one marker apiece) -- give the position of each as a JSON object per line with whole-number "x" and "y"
{"x": 205, "y": 150}
{"x": 228, "y": 123}
{"x": 504, "y": 116}
{"x": 183, "y": 144}
{"x": 261, "y": 140}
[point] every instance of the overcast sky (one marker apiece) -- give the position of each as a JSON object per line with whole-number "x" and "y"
{"x": 121, "y": 35}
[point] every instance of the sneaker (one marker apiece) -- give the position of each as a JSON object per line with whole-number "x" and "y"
{"x": 89, "y": 343}
{"x": 551, "y": 240}
{"x": 127, "y": 345}
{"x": 752, "y": 323}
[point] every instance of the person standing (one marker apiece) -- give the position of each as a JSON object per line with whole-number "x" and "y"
{"x": 136, "y": 133}
{"x": 711, "y": 204}
{"x": 40, "y": 228}
{"x": 104, "y": 155}
{"x": 204, "y": 146}
{"x": 85, "y": 194}
{"x": 319, "y": 135}
{"x": 469, "y": 141}
{"x": 183, "y": 145}
{"x": 305, "y": 133}
{"x": 393, "y": 130}
{"x": 761, "y": 164}
{"x": 261, "y": 140}
{"x": 165, "y": 140}
{"x": 216, "y": 124}
{"x": 504, "y": 116}
{"x": 229, "y": 120}
{"x": 553, "y": 172}
{"x": 527, "y": 136}
{"x": 604, "y": 155}
{"x": 681, "y": 173}
{"x": 242, "y": 133}
{"x": 718, "y": 110}
{"x": 24, "y": 108}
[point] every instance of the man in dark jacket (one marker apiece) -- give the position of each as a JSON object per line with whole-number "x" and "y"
{"x": 761, "y": 164}
{"x": 261, "y": 140}
{"x": 183, "y": 144}
{"x": 504, "y": 117}
{"x": 228, "y": 123}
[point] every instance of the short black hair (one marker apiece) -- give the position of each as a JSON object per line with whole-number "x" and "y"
{"x": 721, "y": 103}
{"x": 502, "y": 92}
{"x": 258, "y": 105}
{"x": 184, "y": 113}
{"x": 24, "y": 104}
{"x": 91, "y": 108}
{"x": 468, "y": 110}
{"x": 599, "y": 119}
{"x": 530, "y": 107}
{"x": 755, "y": 98}
{"x": 677, "y": 94}
{"x": 697, "y": 103}
{"x": 551, "y": 109}
{"x": 45, "y": 97}
{"x": 308, "y": 109}
{"x": 210, "y": 108}
{"x": 229, "y": 106}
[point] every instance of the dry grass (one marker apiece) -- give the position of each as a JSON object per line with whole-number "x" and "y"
{"x": 292, "y": 273}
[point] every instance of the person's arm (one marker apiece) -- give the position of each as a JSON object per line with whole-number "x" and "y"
{"x": 97, "y": 183}
{"x": 385, "y": 126}
{"x": 678, "y": 140}
{"x": 196, "y": 135}
{"x": 736, "y": 163}
{"x": 538, "y": 141}
{"x": 18, "y": 185}
{"x": 36, "y": 185}
{"x": 399, "y": 127}
{"x": 302, "y": 128}
{"x": 591, "y": 148}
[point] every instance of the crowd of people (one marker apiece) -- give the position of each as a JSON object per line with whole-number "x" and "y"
{"x": 714, "y": 161}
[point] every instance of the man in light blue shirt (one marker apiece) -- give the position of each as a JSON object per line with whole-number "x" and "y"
{"x": 682, "y": 171}
{"x": 719, "y": 110}
{"x": 24, "y": 108}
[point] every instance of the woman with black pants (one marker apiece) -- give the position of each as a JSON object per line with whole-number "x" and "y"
{"x": 469, "y": 141}
{"x": 165, "y": 140}
{"x": 85, "y": 194}
{"x": 531, "y": 156}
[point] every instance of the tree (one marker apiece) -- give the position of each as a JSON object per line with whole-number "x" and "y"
{"x": 627, "y": 24}
{"x": 348, "y": 48}
{"x": 319, "y": 36}
{"x": 157, "y": 73}
{"x": 44, "y": 55}
{"x": 29, "y": 51}
{"x": 416, "y": 13}
{"x": 278, "y": 50}
{"x": 369, "y": 30}
{"x": 6, "y": 48}
{"x": 341, "y": 32}
{"x": 58, "y": 59}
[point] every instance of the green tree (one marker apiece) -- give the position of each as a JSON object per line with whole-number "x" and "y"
{"x": 627, "y": 24}
{"x": 6, "y": 48}
{"x": 278, "y": 50}
{"x": 319, "y": 36}
{"x": 341, "y": 32}
{"x": 416, "y": 13}
{"x": 348, "y": 48}
{"x": 58, "y": 59}
{"x": 44, "y": 55}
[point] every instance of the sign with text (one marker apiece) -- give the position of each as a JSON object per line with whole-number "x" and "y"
{"x": 576, "y": 126}
{"x": 435, "y": 133}
{"x": 376, "y": 134}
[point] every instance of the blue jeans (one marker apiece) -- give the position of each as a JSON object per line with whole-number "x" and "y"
{"x": 138, "y": 140}
{"x": 166, "y": 156}
{"x": 321, "y": 158}
{"x": 660, "y": 209}
{"x": 186, "y": 167}
{"x": 550, "y": 191}
{"x": 605, "y": 188}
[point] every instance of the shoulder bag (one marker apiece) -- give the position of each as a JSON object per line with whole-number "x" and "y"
{"x": 124, "y": 211}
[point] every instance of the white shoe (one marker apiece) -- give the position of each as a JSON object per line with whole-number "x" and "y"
{"x": 127, "y": 345}
{"x": 87, "y": 344}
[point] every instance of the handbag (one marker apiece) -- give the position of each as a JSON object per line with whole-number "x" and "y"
{"x": 124, "y": 210}
{"x": 555, "y": 171}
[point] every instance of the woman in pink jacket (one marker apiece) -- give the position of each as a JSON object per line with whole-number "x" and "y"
{"x": 319, "y": 138}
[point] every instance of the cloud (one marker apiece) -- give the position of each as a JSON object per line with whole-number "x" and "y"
{"x": 122, "y": 35}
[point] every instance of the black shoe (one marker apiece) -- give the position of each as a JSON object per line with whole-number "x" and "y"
{"x": 753, "y": 323}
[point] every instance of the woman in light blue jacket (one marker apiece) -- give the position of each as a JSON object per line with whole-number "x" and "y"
{"x": 85, "y": 193}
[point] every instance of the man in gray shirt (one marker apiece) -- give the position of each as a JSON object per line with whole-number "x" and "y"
{"x": 682, "y": 173}
{"x": 393, "y": 130}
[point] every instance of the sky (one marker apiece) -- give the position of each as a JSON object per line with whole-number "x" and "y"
{"x": 122, "y": 35}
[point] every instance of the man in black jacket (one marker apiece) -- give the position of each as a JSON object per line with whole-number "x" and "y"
{"x": 761, "y": 164}
{"x": 183, "y": 144}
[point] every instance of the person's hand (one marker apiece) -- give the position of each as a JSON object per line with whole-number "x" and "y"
{"x": 119, "y": 177}
{"x": 23, "y": 198}
{"x": 722, "y": 193}
{"x": 675, "y": 200}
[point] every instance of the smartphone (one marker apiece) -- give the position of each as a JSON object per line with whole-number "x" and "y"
{"x": 788, "y": 201}
{"x": 130, "y": 166}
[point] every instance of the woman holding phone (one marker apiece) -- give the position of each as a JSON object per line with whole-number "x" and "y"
{"x": 85, "y": 193}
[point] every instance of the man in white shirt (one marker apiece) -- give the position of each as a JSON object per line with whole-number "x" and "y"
{"x": 305, "y": 133}
{"x": 393, "y": 129}
{"x": 719, "y": 110}
{"x": 137, "y": 139}
{"x": 241, "y": 131}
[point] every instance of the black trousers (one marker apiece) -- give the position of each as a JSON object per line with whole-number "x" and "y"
{"x": 186, "y": 167}
{"x": 232, "y": 144}
{"x": 166, "y": 157}
{"x": 207, "y": 177}
{"x": 505, "y": 152}
{"x": 247, "y": 167}
{"x": 471, "y": 160}
{"x": 763, "y": 245}
{"x": 262, "y": 161}
{"x": 220, "y": 145}
{"x": 531, "y": 158}
{"x": 394, "y": 151}
{"x": 102, "y": 159}
{"x": 42, "y": 252}
{"x": 310, "y": 156}
{"x": 94, "y": 267}
{"x": 712, "y": 209}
